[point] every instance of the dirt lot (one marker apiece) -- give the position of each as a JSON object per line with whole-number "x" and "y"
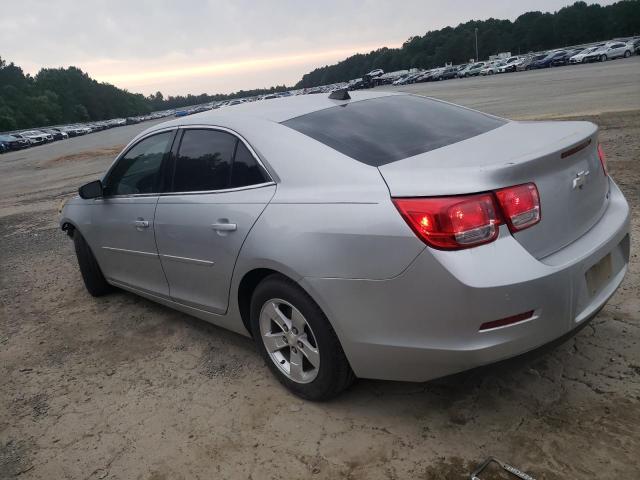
{"x": 121, "y": 388}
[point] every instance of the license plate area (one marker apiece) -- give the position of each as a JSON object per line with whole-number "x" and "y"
{"x": 599, "y": 275}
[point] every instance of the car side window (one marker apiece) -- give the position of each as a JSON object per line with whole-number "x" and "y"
{"x": 137, "y": 172}
{"x": 246, "y": 170}
{"x": 204, "y": 161}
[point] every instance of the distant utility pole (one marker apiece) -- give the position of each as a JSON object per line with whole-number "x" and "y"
{"x": 477, "y": 59}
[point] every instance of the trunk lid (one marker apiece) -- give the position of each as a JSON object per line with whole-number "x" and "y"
{"x": 561, "y": 158}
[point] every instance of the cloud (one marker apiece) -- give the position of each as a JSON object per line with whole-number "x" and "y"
{"x": 192, "y": 46}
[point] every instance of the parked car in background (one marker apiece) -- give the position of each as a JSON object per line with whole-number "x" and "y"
{"x": 37, "y": 136}
{"x": 400, "y": 80}
{"x": 547, "y": 61}
{"x": 449, "y": 73}
{"x": 426, "y": 76}
{"x": 376, "y": 73}
{"x": 527, "y": 62}
{"x": 33, "y": 139}
{"x": 445, "y": 249}
{"x": 69, "y": 130}
{"x": 56, "y": 133}
{"x": 509, "y": 65}
{"x": 446, "y": 73}
{"x": 3, "y": 147}
{"x": 472, "y": 70}
{"x": 580, "y": 56}
{"x": 634, "y": 45}
{"x": 491, "y": 68}
{"x": 609, "y": 51}
{"x": 15, "y": 142}
{"x": 562, "y": 60}
{"x": 412, "y": 78}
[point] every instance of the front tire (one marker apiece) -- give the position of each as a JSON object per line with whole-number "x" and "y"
{"x": 603, "y": 58}
{"x": 92, "y": 276}
{"x": 296, "y": 340}
{"x": 627, "y": 54}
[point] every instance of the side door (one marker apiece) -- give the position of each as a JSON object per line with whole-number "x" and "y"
{"x": 218, "y": 191}
{"x": 123, "y": 219}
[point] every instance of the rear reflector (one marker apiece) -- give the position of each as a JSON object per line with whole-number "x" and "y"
{"x": 603, "y": 159}
{"x": 520, "y": 206}
{"x": 452, "y": 223}
{"x": 503, "y": 322}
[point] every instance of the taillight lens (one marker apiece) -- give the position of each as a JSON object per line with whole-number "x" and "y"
{"x": 603, "y": 159}
{"x": 452, "y": 223}
{"x": 520, "y": 206}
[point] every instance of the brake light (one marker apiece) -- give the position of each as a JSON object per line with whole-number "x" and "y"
{"x": 520, "y": 206}
{"x": 452, "y": 223}
{"x": 603, "y": 159}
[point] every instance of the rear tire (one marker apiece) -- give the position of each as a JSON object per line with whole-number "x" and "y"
{"x": 603, "y": 58}
{"x": 332, "y": 374}
{"x": 94, "y": 281}
{"x": 627, "y": 54}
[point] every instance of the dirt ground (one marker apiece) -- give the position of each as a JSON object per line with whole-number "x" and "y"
{"x": 121, "y": 388}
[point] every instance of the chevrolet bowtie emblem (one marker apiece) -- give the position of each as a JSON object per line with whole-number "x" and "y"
{"x": 581, "y": 179}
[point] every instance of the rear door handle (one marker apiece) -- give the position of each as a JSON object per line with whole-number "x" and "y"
{"x": 225, "y": 227}
{"x": 141, "y": 223}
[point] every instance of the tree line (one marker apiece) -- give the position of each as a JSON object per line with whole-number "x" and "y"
{"x": 530, "y": 32}
{"x": 69, "y": 95}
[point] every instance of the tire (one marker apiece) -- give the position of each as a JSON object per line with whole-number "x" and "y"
{"x": 91, "y": 274}
{"x": 333, "y": 374}
{"x": 603, "y": 58}
{"x": 627, "y": 54}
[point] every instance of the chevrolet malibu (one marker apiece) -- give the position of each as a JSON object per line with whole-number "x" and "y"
{"x": 376, "y": 235}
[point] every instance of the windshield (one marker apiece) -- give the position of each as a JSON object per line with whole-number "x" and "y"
{"x": 386, "y": 129}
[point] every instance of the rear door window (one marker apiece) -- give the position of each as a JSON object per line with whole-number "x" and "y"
{"x": 204, "y": 161}
{"x": 210, "y": 160}
{"x": 246, "y": 170}
{"x": 386, "y": 129}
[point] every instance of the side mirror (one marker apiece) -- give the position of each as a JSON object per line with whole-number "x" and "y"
{"x": 91, "y": 190}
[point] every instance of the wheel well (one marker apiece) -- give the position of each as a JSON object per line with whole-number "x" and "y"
{"x": 245, "y": 290}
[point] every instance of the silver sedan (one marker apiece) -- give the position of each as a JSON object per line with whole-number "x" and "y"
{"x": 376, "y": 235}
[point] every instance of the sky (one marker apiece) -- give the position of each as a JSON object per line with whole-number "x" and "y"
{"x": 208, "y": 46}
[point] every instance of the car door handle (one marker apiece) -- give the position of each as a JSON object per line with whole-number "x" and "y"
{"x": 225, "y": 227}
{"x": 141, "y": 223}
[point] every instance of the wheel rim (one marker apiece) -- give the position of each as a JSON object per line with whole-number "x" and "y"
{"x": 289, "y": 340}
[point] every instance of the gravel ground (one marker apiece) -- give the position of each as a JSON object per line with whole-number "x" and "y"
{"x": 121, "y": 388}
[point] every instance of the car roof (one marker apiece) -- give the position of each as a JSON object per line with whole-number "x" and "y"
{"x": 275, "y": 110}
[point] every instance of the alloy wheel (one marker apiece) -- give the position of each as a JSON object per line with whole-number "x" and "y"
{"x": 289, "y": 340}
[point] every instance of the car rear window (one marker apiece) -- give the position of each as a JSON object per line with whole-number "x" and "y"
{"x": 383, "y": 130}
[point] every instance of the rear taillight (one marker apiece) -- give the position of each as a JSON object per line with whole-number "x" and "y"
{"x": 520, "y": 206}
{"x": 603, "y": 159}
{"x": 452, "y": 223}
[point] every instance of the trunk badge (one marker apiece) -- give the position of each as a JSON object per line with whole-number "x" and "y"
{"x": 581, "y": 179}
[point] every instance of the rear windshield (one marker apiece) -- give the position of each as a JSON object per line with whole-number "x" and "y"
{"x": 387, "y": 129}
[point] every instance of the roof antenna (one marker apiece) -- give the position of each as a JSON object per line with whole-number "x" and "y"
{"x": 342, "y": 94}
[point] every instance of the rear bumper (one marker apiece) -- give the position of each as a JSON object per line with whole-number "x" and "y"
{"x": 424, "y": 323}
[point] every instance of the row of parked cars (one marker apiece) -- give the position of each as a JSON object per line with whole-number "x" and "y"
{"x": 29, "y": 138}
{"x": 553, "y": 58}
